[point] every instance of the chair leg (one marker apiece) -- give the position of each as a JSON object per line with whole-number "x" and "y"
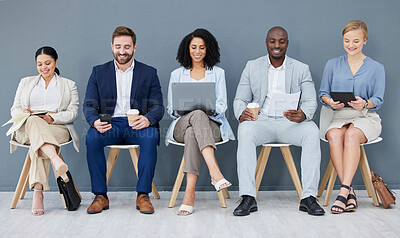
{"x": 111, "y": 160}
{"x": 362, "y": 153}
{"x": 154, "y": 191}
{"x": 287, "y": 155}
{"x": 261, "y": 163}
{"x": 224, "y": 191}
{"x": 135, "y": 159}
{"x": 178, "y": 183}
{"x": 331, "y": 183}
{"x": 325, "y": 178}
{"x": 23, "y": 178}
{"x": 222, "y": 198}
{"x": 25, "y": 188}
{"x": 366, "y": 174}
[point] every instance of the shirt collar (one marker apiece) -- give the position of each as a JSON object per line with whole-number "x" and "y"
{"x": 42, "y": 81}
{"x": 282, "y": 67}
{"x": 129, "y": 69}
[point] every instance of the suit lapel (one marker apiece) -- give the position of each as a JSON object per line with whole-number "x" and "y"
{"x": 112, "y": 80}
{"x": 60, "y": 86}
{"x": 28, "y": 90}
{"x": 135, "y": 81}
{"x": 264, "y": 80}
{"x": 288, "y": 75}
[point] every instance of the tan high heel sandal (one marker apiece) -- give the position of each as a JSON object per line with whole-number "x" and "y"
{"x": 62, "y": 170}
{"x": 38, "y": 211}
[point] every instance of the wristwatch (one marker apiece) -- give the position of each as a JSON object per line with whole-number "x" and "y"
{"x": 366, "y": 104}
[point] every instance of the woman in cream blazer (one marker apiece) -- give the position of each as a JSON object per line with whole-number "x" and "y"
{"x": 44, "y": 133}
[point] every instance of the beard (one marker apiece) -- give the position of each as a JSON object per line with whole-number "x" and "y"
{"x": 276, "y": 57}
{"x": 126, "y": 60}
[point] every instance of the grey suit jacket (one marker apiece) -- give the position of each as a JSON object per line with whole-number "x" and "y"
{"x": 67, "y": 105}
{"x": 253, "y": 85}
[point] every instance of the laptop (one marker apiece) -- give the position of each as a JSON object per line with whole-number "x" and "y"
{"x": 190, "y": 96}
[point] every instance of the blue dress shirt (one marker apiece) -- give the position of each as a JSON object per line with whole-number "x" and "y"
{"x": 368, "y": 83}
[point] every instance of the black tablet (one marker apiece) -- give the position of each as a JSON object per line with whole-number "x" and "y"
{"x": 39, "y": 113}
{"x": 343, "y": 97}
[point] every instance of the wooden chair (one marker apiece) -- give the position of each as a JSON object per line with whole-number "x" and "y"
{"x": 287, "y": 155}
{"x": 326, "y": 116}
{"x": 180, "y": 175}
{"x": 365, "y": 170}
{"x": 134, "y": 152}
{"x": 24, "y": 176}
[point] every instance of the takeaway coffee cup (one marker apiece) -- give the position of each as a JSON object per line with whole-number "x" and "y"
{"x": 254, "y": 108}
{"x": 132, "y": 114}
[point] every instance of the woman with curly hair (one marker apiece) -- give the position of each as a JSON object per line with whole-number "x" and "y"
{"x": 198, "y": 55}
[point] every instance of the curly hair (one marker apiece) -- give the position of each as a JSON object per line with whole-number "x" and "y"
{"x": 212, "y": 49}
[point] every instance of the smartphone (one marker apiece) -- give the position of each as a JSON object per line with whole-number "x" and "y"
{"x": 105, "y": 118}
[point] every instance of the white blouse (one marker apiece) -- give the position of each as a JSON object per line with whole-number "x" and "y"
{"x": 42, "y": 99}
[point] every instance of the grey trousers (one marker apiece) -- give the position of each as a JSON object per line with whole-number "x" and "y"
{"x": 197, "y": 131}
{"x": 269, "y": 130}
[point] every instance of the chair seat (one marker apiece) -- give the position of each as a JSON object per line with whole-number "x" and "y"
{"x": 287, "y": 156}
{"x": 275, "y": 145}
{"x": 22, "y": 184}
{"x": 379, "y": 139}
{"x": 183, "y": 144}
{"x": 330, "y": 175}
{"x": 179, "y": 178}
{"x": 134, "y": 152}
{"x": 123, "y": 146}
{"x": 13, "y": 142}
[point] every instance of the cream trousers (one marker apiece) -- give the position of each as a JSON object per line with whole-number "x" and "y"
{"x": 36, "y": 132}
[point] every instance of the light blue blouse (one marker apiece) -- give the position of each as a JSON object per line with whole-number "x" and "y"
{"x": 368, "y": 83}
{"x": 217, "y": 75}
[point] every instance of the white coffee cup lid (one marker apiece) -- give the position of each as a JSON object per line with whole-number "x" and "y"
{"x": 132, "y": 111}
{"x": 253, "y": 105}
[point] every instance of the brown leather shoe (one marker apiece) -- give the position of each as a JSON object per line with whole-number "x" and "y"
{"x": 99, "y": 204}
{"x": 144, "y": 205}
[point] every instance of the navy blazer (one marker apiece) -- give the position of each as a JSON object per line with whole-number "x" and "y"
{"x": 101, "y": 92}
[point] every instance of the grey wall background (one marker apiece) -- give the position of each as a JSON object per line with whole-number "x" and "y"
{"x": 81, "y": 33}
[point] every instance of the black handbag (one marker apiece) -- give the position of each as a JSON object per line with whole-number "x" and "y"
{"x": 70, "y": 193}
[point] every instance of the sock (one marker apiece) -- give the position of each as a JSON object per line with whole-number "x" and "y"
{"x": 140, "y": 193}
{"x": 103, "y": 194}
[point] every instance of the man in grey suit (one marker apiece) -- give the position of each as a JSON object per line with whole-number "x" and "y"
{"x": 276, "y": 73}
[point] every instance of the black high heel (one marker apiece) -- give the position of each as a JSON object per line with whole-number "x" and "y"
{"x": 353, "y": 206}
{"x": 341, "y": 199}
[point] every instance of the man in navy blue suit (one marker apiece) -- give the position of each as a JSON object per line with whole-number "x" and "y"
{"x": 114, "y": 88}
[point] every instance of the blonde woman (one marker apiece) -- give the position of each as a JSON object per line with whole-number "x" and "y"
{"x": 351, "y": 126}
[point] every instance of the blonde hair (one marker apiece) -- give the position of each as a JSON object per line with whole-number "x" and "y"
{"x": 356, "y": 25}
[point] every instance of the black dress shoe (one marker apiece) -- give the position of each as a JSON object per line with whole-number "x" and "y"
{"x": 311, "y": 206}
{"x": 247, "y": 205}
